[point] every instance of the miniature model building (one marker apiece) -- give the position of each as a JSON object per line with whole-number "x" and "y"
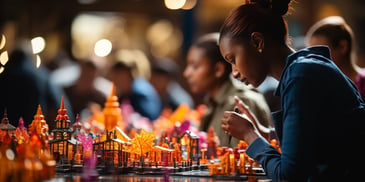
{"x": 74, "y": 148}
{"x": 62, "y": 146}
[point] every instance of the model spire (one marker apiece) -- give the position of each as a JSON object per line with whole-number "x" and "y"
{"x": 112, "y": 112}
{"x": 21, "y": 132}
{"x": 5, "y": 125}
{"x": 62, "y": 119}
{"x": 21, "y": 124}
{"x": 62, "y": 112}
{"x": 39, "y": 125}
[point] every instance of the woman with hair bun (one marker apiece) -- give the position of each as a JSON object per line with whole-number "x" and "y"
{"x": 320, "y": 126}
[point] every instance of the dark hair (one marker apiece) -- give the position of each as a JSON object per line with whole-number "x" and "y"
{"x": 209, "y": 43}
{"x": 335, "y": 29}
{"x": 123, "y": 65}
{"x": 264, "y": 16}
{"x": 165, "y": 66}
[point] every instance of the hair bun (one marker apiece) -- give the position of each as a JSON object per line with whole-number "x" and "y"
{"x": 279, "y": 7}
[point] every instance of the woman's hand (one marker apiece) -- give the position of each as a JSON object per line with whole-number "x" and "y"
{"x": 243, "y": 124}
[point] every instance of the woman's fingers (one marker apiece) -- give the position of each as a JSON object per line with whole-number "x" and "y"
{"x": 225, "y": 121}
{"x": 242, "y": 107}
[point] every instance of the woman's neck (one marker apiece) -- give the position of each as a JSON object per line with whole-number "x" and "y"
{"x": 277, "y": 59}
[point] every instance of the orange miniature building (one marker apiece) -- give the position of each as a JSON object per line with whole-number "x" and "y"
{"x": 62, "y": 147}
{"x": 39, "y": 126}
{"x": 5, "y": 125}
{"x": 21, "y": 133}
{"x": 189, "y": 146}
{"x": 112, "y": 112}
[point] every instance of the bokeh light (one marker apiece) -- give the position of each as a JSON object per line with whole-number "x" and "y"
{"x": 38, "y": 61}
{"x": 2, "y": 41}
{"x": 164, "y": 38}
{"x": 38, "y": 44}
{"x": 4, "y": 58}
{"x": 174, "y": 4}
{"x": 189, "y": 4}
{"x": 103, "y": 47}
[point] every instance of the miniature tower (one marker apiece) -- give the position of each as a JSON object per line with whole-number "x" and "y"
{"x": 38, "y": 131}
{"x": 76, "y": 127}
{"x": 38, "y": 125}
{"x": 5, "y": 125}
{"x": 21, "y": 132}
{"x": 21, "y": 124}
{"x": 112, "y": 112}
{"x": 60, "y": 145}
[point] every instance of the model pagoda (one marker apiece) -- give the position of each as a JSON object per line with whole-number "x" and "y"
{"x": 62, "y": 147}
{"x": 5, "y": 125}
{"x": 109, "y": 146}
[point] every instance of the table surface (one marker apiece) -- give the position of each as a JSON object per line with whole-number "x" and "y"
{"x": 192, "y": 176}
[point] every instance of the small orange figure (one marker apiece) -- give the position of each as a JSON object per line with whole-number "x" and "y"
{"x": 212, "y": 144}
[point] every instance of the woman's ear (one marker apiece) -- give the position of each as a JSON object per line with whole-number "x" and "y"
{"x": 219, "y": 70}
{"x": 257, "y": 40}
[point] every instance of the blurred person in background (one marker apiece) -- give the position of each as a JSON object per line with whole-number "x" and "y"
{"x": 207, "y": 72}
{"x": 335, "y": 33}
{"x": 134, "y": 88}
{"x": 164, "y": 78}
{"x": 82, "y": 93}
{"x": 24, "y": 87}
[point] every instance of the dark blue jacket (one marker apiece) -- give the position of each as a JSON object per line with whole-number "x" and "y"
{"x": 320, "y": 126}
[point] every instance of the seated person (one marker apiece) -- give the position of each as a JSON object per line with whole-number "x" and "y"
{"x": 207, "y": 72}
{"x": 135, "y": 89}
{"x": 334, "y": 32}
{"x": 82, "y": 93}
{"x": 164, "y": 79}
{"x": 24, "y": 87}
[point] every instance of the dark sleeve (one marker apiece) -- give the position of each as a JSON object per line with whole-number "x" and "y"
{"x": 316, "y": 99}
{"x": 299, "y": 118}
{"x": 145, "y": 99}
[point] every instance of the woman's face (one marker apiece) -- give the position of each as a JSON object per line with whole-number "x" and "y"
{"x": 248, "y": 64}
{"x": 199, "y": 72}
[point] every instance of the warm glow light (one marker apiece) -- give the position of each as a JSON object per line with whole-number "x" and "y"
{"x": 4, "y": 58}
{"x": 189, "y": 4}
{"x": 2, "y": 41}
{"x": 174, "y": 4}
{"x": 328, "y": 10}
{"x": 103, "y": 47}
{"x": 27, "y": 164}
{"x": 2, "y": 69}
{"x": 159, "y": 32}
{"x": 38, "y": 44}
{"x": 10, "y": 154}
{"x": 38, "y": 58}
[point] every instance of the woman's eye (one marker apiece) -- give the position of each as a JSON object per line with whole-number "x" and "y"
{"x": 232, "y": 60}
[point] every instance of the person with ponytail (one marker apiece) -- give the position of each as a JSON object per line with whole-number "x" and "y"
{"x": 334, "y": 32}
{"x": 322, "y": 115}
